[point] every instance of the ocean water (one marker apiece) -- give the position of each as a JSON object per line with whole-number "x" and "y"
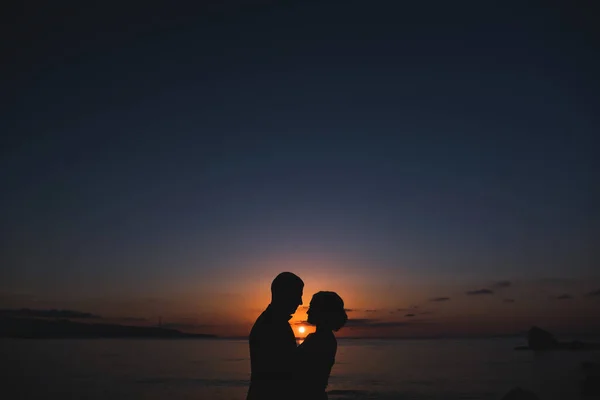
{"x": 219, "y": 369}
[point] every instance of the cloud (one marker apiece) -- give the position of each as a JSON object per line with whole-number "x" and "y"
{"x": 564, "y": 297}
{"x": 595, "y": 293}
{"x": 26, "y": 312}
{"x": 509, "y": 300}
{"x": 409, "y": 309}
{"x": 409, "y": 315}
{"x": 373, "y": 323}
{"x": 426, "y": 313}
{"x": 440, "y": 299}
{"x": 480, "y": 291}
{"x": 502, "y": 284}
{"x": 305, "y": 308}
{"x": 371, "y": 310}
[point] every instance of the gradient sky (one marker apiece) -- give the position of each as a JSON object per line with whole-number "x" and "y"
{"x": 163, "y": 162}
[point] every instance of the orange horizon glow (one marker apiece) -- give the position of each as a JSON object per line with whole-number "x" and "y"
{"x": 375, "y": 309}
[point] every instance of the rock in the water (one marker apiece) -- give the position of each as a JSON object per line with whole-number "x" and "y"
{"x": 520, "y": 394}
{"x": 540, "y": 339}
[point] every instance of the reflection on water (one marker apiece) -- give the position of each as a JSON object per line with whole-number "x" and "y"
{"x": 219, "y": 369}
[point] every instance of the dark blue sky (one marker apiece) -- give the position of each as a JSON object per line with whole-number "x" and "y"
{"x": 158, "y": 145}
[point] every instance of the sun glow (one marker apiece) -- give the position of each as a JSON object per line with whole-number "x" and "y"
{"x": 302, "y": 329}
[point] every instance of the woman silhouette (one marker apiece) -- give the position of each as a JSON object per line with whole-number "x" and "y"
{"x": 316, "y": 355}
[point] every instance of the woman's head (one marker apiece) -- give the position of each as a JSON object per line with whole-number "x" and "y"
{"x": 327, "y": 310}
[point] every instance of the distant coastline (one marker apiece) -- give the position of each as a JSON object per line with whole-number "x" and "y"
{"x": 41, "y": 328}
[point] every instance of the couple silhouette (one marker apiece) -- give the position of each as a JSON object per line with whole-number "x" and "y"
{"x": 279, "y": 368}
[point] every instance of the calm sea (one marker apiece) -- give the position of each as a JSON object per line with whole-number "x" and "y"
{"x": 219, "y": 369}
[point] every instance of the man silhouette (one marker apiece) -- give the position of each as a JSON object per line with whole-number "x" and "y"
{"x": 273, "y": 343}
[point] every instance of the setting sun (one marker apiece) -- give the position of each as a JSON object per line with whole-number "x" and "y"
{"x": 301, "y": 329}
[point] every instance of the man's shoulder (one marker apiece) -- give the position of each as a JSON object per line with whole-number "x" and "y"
{"x": 262, "y": 322}
{"x": 264, "y": 318}
{"x": 266, "y": 325}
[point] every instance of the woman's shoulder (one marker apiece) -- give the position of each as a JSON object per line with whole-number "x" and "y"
{"x": 326, "y": 336}
{"x": 310, "y": 338}
{"x": 319, "y": 340}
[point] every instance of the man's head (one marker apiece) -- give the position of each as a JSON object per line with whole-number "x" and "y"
{"x": 286, "y": 292}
